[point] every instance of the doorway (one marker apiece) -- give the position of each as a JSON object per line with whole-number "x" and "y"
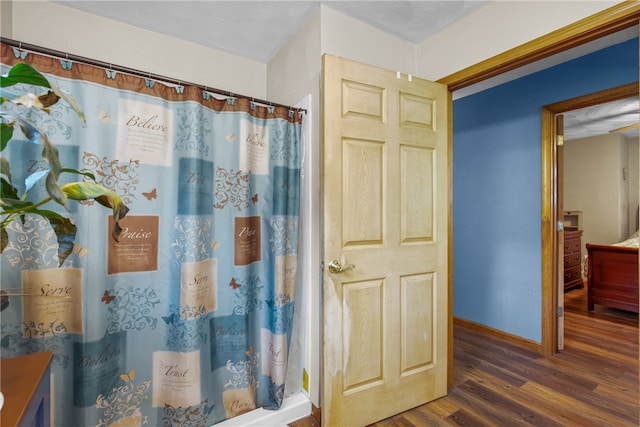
{"x": 612, "y": 21}
{"x": 552, "y": 153}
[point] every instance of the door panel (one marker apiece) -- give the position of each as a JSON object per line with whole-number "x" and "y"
{"x": 361, "y": 192}
{"x": 385, "y": 207}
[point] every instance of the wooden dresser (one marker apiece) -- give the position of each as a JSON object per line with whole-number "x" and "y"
{"x": 572, "y": 259}
{"x": 25, "y": 384}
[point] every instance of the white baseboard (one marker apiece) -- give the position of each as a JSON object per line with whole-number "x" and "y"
{"x": 293, "y": 408}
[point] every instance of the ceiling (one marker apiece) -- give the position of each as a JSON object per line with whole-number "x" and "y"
{"x": 258, "y": 29}
{"x": 603, "y": 119}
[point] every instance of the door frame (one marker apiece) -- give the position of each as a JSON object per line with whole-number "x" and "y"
{"x": 616, "y": 18}
{"x": 552, "y": 191}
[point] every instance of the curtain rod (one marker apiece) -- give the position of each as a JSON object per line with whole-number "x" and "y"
{"x": 126, "y": 70}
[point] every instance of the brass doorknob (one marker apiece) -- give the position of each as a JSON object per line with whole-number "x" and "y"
{"x": 336, "y": 268}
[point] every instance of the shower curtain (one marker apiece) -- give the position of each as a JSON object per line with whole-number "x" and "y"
{"x": 187, "y": 319}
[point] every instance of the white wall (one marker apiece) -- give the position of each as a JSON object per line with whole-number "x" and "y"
{"x": 296, "y": 71}
{"x": 348, "y": 38}
{"x": 292, "y": 74}
{"x": 62, "y": 28}
{"x": 6, "y": 22}
{"x": 495, "y": 28}
{"x": 594, "y": 184}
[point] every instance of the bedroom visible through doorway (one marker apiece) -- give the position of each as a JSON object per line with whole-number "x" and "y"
{"x": 555, "y": 151}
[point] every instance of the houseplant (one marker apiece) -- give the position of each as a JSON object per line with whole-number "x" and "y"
{"x": 14, "y": 204}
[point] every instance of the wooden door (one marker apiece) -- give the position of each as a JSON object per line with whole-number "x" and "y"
{"x": 560, "y": 233}
{"x": 385, "y": 206}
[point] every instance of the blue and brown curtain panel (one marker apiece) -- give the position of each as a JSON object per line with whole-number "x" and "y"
{"x": 187, "y": 319}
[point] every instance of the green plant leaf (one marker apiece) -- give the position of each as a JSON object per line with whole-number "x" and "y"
{"x": 91, "y": 190}
{"x": 49, "y": 153}
{"x": 14, "y": 207}
{"x": 4, "y": 239}
{"x": 48, "y": 99}
{"x": 33, "y": 179}
{"x": 102, "y": 195}
{"x": 29, "y": 100}
{"x": 6, "y": 135}
{"x": 23, "y": 73}
{"x": 47, "y": 214}
{"x": 7, "y": 190}
{"x": 54, "y": 190}
{"x": 65, "y": 234}
{"x": 30, "y": 130}
{"x": 72, "y": 102}
{"x": 89, "y": 175}
{"x": 64, "y": 229}
{"x": 13, "y": 204}
{"x": 5, "y": 168}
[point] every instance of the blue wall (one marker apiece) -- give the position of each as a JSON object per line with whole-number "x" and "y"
{"x": 497, "y": 196}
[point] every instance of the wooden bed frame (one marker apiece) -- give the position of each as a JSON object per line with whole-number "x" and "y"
{"x": 612, "y": 277}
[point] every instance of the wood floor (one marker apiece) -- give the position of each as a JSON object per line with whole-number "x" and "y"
{"x": 593, "y": 382}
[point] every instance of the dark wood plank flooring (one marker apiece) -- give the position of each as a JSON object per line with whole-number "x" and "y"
{"x": 593, "y": 382}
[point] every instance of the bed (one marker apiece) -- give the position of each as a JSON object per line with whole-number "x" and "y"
{"x": 612, "y": 275}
